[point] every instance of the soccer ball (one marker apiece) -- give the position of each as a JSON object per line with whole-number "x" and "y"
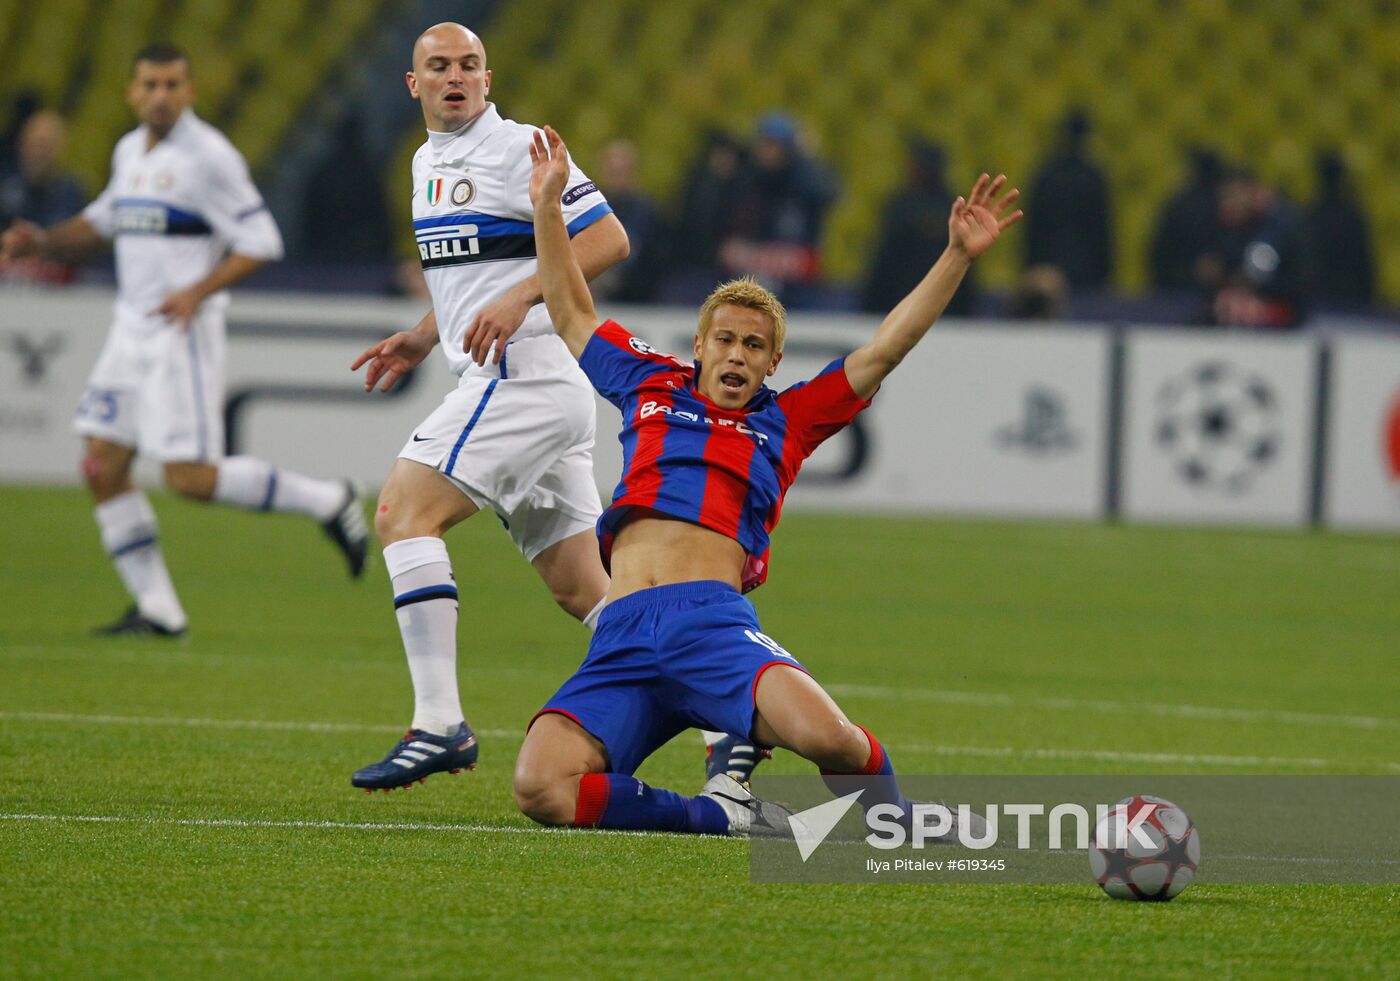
{"x": 1219, "y": 426}
{"x": 1138, "y": 871}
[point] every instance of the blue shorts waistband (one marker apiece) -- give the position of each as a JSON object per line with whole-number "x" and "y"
{"x": 669, "y": 593}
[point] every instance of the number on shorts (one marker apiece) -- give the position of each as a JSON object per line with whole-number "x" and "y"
{"x": 99, "y": 403}
{"x": 763, "y": 640}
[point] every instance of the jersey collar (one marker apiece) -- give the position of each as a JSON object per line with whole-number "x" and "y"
{"x": 176, "y": 133}
{"x": 473, "y": 133}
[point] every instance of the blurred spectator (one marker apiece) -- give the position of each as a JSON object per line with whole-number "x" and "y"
{"x": 913, "y": 233}
{"x": 778, "y": 223}
{"x": 1042, "y": 293}
{"x": 1188, "y": 226}
{"x": 38, "y": 189}
{"x": 25, "y": 104}
{"x": 1339, "y": 236}
{"x": 1263, "y": 269}
{"x": 713, "y": 188}
{"x": 634, "y": 279}
{"x": 1067, "y": 216}
{"x": 348, "y": 178}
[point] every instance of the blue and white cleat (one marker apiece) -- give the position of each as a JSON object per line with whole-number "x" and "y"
{"x": 735, "y": 756}
{"x": 418, "y": 756}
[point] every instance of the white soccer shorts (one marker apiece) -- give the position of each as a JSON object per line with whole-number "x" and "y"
{"x": 518, "y": 439}
{"x": 158, "y": 389}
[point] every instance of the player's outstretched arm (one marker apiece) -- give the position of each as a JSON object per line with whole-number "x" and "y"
{"x": 973, "y": 227}
{"x": 71, "y": 240}
{"x": 561, "y": 280}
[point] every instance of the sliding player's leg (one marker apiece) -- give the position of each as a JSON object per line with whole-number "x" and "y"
{"x": 564, "y": 777}
{"x": 582, "y": 748}
{"x": 416, "y": 508}
{"x": 792, "y": 711}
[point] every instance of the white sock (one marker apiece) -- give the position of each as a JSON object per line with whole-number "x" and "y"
{"x": 591, "y": 621}
{"x": 128, "y": 526}
{"x": 712, "y": 737}
{"x": 425, "y": 600}
{"x": 247, "y": 482}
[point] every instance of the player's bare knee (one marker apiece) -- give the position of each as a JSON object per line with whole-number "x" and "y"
{"x": 838, "y": 745}
{"x": 578, "y": 603}
{"x": 543, "y": 798}
{"x": 99, "y": 474}
{"x": 194, "y": 481}
{"x": 385, "y": 524}
{"x": 395, "y": 522}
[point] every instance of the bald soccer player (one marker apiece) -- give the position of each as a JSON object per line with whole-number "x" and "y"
{"x": 515, "y": 436}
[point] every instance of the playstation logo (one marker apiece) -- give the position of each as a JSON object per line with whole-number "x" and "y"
{"x": 35, "y": 355}
{"x": 1043, "y": 428}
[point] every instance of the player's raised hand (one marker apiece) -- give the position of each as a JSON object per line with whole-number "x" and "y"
{"x": 977, "y": 220}
{"x": 392, "y": 358}
{"x": 549, "y": 159}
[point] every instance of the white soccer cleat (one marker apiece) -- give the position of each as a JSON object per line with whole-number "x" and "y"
{"x": 748, "y": 816}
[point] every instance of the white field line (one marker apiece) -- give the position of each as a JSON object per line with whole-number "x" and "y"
{"x": 1117, "y": 756}
{"x": 257, "y": 724}
{"x": 1218, "y": 713}
{"x": 948, "y": 697}
{"x": 313, "y": 825}
{"x": 1003, "y": 752}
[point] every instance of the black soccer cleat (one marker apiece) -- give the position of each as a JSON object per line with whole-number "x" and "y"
{"x": 133, "y": 623}
{"x": 417, "y": 756}
{"x": 349, "y": 531}
{"x": 735, "y": 756}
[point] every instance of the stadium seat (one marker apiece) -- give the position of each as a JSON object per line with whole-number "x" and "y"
{"x": 1269, "y": 83}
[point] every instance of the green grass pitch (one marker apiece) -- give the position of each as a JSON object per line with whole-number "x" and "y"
{"x": 233, "y": 845}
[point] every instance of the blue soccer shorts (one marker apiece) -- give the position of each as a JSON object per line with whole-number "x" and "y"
{"x": 664, "y": 660}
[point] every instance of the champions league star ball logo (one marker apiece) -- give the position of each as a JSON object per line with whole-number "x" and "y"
{"x": 1219, "y": 425}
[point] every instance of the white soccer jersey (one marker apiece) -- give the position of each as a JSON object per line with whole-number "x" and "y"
{"x": 475, "y": 226}
{"x": 174, "y": 211}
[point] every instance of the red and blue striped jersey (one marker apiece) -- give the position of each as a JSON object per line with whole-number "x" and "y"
{"x": 684, "y": 456}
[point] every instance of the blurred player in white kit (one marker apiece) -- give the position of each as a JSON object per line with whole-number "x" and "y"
{"x": 186, "y": 223}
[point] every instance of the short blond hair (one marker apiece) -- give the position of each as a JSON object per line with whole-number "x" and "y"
{"x": 749, "y": 293}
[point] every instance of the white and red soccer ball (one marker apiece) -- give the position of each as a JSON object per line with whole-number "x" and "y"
{"x": 1156, "y": 862}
